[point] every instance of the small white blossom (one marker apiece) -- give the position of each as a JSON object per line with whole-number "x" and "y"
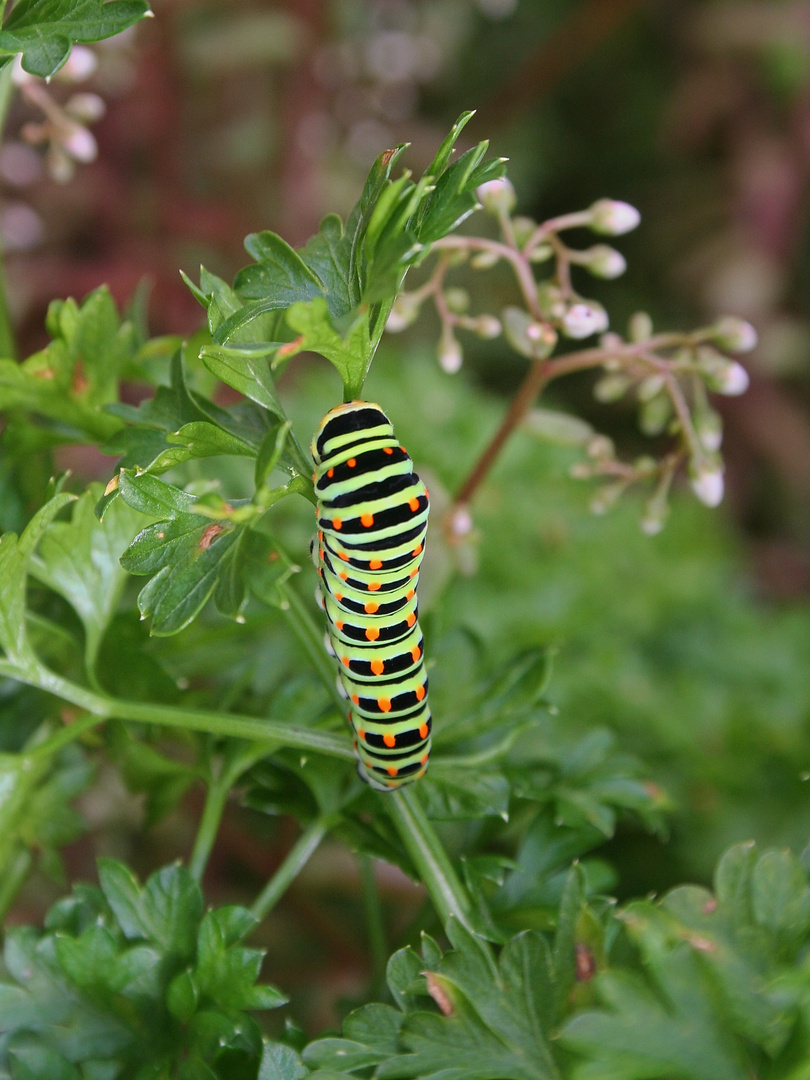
{"x": 730, "y": 379}
{"x": 450, "y": 354}
{"x": 613, "y": 218}
{"x": 733, "y": 334}
{"x": 487, "y": 326}
{"x": 80, "y": 65}
{"x": 86, "y": 108}
{"x": 605, "y": 262}
{"x": 461, "y": 522}
{"x": 583, "y": 319}
{"x": 80, "y": 143}
{"x": 706, "y": 479}
{"x": 497, "y": 196}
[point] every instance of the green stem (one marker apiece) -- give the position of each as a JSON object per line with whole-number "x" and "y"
{"x": 216, "y": 798}
{"x": 303, "y": 626}
{"x": 16, "y": 872}
{"x": 374, "y": 919}
{"x": 292, "y": 866}
{"x": 431, "y": 860}
{"x": 8, "y": 344}
{"x": 225, "y": 725}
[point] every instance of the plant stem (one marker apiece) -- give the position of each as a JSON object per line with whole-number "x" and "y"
{"x": 225, "y": 725}
{"x": 311, "y": 637}
{"x": 16, "y": 872}
{"x": 292, "y": 866}
{"x": 8, "y": 345}
{"x": 431, "y": 860}
{"x": 374, "y": 919}
{"x": 541, "y": 373}
{"x": 215, "y": 800}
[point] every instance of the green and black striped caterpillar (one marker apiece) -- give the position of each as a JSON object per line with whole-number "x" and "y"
{"x": 372, "y": 518}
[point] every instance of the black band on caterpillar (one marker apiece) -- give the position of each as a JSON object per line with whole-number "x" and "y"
{"x": 372, "y": 519}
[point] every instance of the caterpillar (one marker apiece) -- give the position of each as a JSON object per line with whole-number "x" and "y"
{"x": 372, "y": 519}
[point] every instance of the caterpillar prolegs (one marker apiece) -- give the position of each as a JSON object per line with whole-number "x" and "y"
{"x": 372, "y": 518}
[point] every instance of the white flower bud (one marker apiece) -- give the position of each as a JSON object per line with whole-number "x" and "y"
{"x": 523, "y": 227}
{"x": 725, "y": 377}
{"x": 461, "y": 522}
{"x": 733, "y": 334}
{"x": 611, "y": 387}
{"x": 450, "y": 354}
{"x": 497, "y": 196}
{"x": 487, "y": 326}
{"x": 709, "y": 429}
{"x": 583, "y": 319}
{"x": 540, "y": 254}
{"x": 86, "y": 108}
{"x": 655, "y": 516}
{"x": 706, "y": 479}
{"x": 80, "y": 143}
{"x": 604, "y": 261}
{"x": 601, "y": 448}
{"x": 484, "y": 260}
{"x": 457, "y": 300}
{"x": 613, "y": 218}
{"x": 640, "y": 326}
{"x": 529, "y": 338}
{"x": 650, "y": 387}
{"x": 403, "y": 312}
{"x": 80, "y": 65}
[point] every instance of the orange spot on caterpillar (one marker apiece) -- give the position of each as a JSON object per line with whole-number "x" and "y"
{"x": 343, "y": 555}
{"x": 374, "y": 585}
{"x": 338, "y": 524}
{"x": 338, "y": 596}
{"x": 420, "y": 693}
{"x": 387, "y": 450}
{"x": 410, "y": 618}
{"x": 372, "y": 633}
{"x": 314, "y": 477}
{"x": 392, "y": 771}
{"x": 413, "y": 505}
{"x": 424, "y": 759}
{"x": 351, "y": 462}
{"x": 355, "y": 699}
{"x": 375, "y": 564}
{"x": 416, "y": 652}
{"x": 413, "y": 573}
{"x": 362, "y": 735}
{"x": 330, "y": 473}
{"x": 339, "y": 624}
{"x": 423, "y": 731}
{"x": 410, "y": 594}
{"x": 345, "y": 661}
{"x": 320, "y": 536}
{"x": 366, "y": 520}
{"x": 343, "y": 575}
{"x": 377, "y": 666}
{"x": 417, "y": 550}
{"x": 370, "y": 607}
{"x": 384, "y": 704}
{"x": 389, "y": 739}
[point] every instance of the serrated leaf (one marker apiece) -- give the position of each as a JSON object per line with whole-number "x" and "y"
{"x": 350, "y": 352}
{"x": 14, "y": 557}
{"x": 246, "y": 371}
{"x": 80, "y": 560}
{"x": 450, "y": 793}
{"x": 281, "y": 272}
{"x": 280, "y": 1062}
{"x": 45, "y": 30}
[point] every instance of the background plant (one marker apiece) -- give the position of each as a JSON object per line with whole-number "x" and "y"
{"x": 533, "y": 811}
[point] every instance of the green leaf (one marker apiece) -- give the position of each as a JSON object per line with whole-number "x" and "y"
{"x": 452, "y": 794}
{"x": 246, "y": 371}
{"x": 350, "y": 352}
{"x": 203, "y": 439}
{"x": 40, "y": 1063}
{"x": 281, "y": 1062}
{"x": 80, "y": 560}
{"x": 14, "y": 558}
{"x": 45, "y": 30}
{"x": 73, "y": 378}
{"x": 153, "y": 497}
{"x": 281, "y": 272}
{"x": 188, "y": 558}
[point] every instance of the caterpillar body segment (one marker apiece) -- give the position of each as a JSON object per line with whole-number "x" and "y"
{"x": 372, "y": 519}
